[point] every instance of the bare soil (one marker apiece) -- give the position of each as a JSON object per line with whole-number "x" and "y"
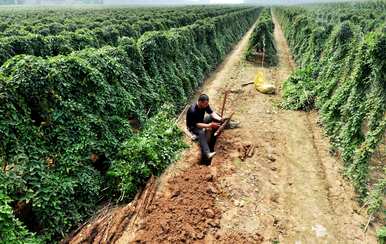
{"x": 290, "y": 191}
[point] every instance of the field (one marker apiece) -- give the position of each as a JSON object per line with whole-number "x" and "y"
{"x": 71, "y": 105}
{"x": 89, "y": 98}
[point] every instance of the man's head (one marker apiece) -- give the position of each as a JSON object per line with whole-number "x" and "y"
{"x": 203, "y": 101}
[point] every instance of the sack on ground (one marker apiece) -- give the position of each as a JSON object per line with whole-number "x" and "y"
{"x": 263, "y": 86}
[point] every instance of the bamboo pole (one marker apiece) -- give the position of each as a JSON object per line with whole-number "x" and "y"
{"x": 223, "y": 103}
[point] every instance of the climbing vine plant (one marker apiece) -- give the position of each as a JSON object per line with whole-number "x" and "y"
{"x": 261, "y": 41}
{"x": 91, "y": 125}
{"x": 340, "y": 51}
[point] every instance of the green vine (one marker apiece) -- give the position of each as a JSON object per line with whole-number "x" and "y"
{"x": 89, "y": 127}
{"x": 262, "y": 40}
{"x": 341, "y": 73}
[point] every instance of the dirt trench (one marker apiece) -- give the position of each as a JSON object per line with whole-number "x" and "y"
{"x": 290, "y": 191}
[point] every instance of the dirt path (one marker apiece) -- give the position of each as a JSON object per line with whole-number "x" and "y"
{"x": 290, "y": 191}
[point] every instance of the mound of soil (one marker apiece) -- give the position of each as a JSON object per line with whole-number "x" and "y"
{"x": 186, "y": 212}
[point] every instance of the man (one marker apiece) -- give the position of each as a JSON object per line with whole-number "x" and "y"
{"x": 201, "y": 125}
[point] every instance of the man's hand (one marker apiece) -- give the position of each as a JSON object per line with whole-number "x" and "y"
{"x": 214, "y": 125}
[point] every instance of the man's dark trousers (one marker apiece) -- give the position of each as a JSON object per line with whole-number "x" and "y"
{"x": 206, "y": 144}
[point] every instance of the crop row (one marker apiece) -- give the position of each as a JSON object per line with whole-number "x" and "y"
{"x": 341, "y": 73}
{"x": 51, "y": 21}
{"x": 66, "y": 122}
{"x": 262, "y": 42}
{"x": 95, "y": 36}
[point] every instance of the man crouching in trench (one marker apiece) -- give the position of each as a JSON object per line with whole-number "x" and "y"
{"x": 203, "y": 126}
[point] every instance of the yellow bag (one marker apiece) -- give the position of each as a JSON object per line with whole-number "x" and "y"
{"x": 261, "y": 86}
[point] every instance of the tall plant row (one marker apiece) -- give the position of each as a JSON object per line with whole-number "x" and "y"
{"x": 340, "y": 51}
{"x": 68, "y": 124}
{"x": 262, "y": 43}
{"x": 48, "y": 37}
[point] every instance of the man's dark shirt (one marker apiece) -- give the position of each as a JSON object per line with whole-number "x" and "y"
{"x": 196, "y": 115}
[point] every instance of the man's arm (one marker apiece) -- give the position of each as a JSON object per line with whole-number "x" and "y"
{"x": 190, "y": 119}
{"x": 191, "y": 122}
{"x": 213, "y": 124}
{"x": 215, "y": 116}
{"x": 203, "y": 125}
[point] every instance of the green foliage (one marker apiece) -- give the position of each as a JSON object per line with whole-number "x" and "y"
{"x": 61, "y": 31}
{"x": 343, "y": 75}
{"x": 145, "y": 154}
{"x": 11, "y": 229}
{"x": 374, "y": 199}
{"x": 195, "y": 49}
{"x": 66, "y": 121}
{"x": 299, "y": 90}
{"x": 381, "y": 234}
{"x": 262, "y": 40}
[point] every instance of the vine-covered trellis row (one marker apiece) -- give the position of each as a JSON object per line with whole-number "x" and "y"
{"x": 67, "y": 141}
{"x": 262, "y": 42}
{"x": 62, "y": 31}
{"x": 340, "y": 50}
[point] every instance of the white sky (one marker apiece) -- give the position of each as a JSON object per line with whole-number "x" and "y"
{"x": 226, "y": 1}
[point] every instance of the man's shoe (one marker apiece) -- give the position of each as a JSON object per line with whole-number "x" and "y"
{"x": 193, "y": 137}
{"x": 210, "y": 155}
